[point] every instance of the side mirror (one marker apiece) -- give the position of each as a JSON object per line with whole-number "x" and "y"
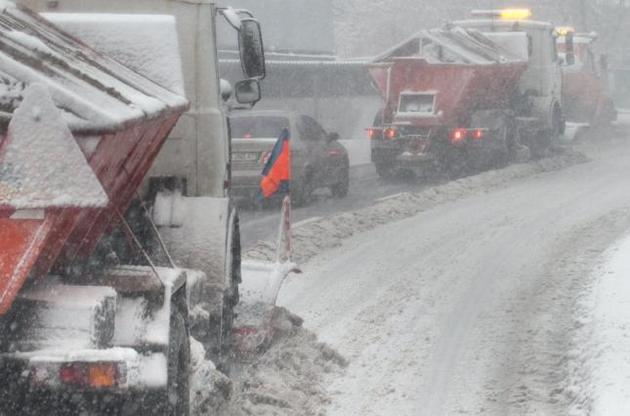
{"x": 332, "y": 137}
{"x": 231, "y": 16}
{"x": 250, "y": 45}
{"x": 247, "y": 91}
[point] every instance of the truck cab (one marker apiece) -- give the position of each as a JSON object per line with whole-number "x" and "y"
{"x": 585, "y": 89}
{"x": 540, "y": 87}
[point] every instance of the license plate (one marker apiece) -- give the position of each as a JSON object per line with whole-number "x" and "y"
{"x": 245, "y": 156}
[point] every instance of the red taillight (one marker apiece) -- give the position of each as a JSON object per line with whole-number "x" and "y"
{"x": 478, "y": 134}
{"x": 390, "y": 133}
{"x": 95, "y": 375}
{"x": 73, "y": 374}
{"x": 334, "y": 152}
{"x": 373, "y": 133}
{"x": 458, "y": 135}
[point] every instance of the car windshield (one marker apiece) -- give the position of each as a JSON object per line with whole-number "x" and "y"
{"x": 257, "y": 127}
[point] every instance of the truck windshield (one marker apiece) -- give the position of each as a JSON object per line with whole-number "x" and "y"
{"x": 257, "y": 126}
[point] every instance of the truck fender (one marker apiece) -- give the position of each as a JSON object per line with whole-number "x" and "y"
{"x": 198, "y": 232}
{"x": 202, "y": 234}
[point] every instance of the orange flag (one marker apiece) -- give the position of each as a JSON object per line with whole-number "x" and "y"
{"x": 276, "y": 175}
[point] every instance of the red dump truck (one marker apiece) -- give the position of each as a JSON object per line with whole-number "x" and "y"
{"x": 96, "y": 317}
{"x": 469, "y": 96}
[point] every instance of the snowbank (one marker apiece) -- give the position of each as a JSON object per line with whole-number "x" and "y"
{"x": 326, "y": 233}
{"x": 601, "y": 369}
{"x": 289, "y": 378}
{"x": 209, "y": 389}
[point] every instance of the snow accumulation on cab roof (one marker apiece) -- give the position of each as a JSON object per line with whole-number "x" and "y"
{"x": 146, "y": 43}
{"x": 95, "y": 93}
{"x": 450, "y": 45}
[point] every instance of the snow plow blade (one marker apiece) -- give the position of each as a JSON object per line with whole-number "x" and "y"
{"x": 261, "y": 283}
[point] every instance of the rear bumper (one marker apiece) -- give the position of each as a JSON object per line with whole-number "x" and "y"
{"x": 40, "y": 371}
{"x": 245, "y": 182}
{"x": 22, "y": 401}
{"x": 30, "y": 385}
{"x": 393, "y": 153}
{"x": 398, "y": 153}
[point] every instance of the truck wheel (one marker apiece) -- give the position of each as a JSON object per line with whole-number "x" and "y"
{"x": 540, "y": 143}
{"x": 175, "y": 400}
{"x": 178, "y": 388}
{"x": 502, "y": 155}
{"x": 230, "y": 300}
{"x": 340, "y": 189}
{"x": 558, "y": 124}
{"x": 385, "y": 170}
{"x": 457, "y": 163}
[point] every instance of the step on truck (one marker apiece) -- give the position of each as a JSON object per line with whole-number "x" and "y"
{"x": 118, "y": 239}
{"x": 470, "y": 96}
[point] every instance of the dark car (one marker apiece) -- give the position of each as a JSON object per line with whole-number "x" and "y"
{"x": 318, "y": 160}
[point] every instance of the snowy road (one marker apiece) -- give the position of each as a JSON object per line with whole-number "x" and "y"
{"x": 469, "y": 307}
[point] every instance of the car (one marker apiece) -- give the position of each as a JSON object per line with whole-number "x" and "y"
{"x": 318, "y": 159}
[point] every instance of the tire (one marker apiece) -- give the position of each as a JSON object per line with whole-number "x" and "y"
{"x": 230, "y": 300}
{"x": 175, "y": 399}
{"x": 302, "y": 195}
{"x": 340, "y": 189}
{"x": 502, "y": 155}
{"x": 558, "y": 125}
{"x": 457, "y": 164}
{"x": 540, "y": 143}
{"x": 384, "y": 170}
{"x": 178, "y": 385}
{"x": 544, "y": 140}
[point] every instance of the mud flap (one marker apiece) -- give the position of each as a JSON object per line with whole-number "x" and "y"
{"x": 261, "y": 284}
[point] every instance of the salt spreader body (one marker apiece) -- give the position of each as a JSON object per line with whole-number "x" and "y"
{"x": 466, "y": 97}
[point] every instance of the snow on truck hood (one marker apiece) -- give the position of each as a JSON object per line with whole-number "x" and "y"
{"x": 95, "y": 92}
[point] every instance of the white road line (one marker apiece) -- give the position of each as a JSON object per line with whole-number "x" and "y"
{"x": 388, "y": 197}
{"x": 306, "y": 221}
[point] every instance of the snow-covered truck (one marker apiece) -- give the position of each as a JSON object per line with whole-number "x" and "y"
{"x": 95, "y": 317}
{"x": 468, "y": 96}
